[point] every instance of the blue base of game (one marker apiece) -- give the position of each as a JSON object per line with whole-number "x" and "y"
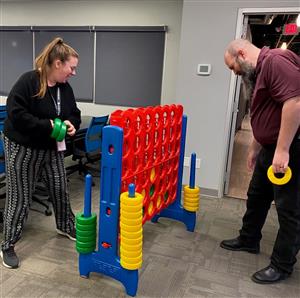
{"x": 96, "y": 262}
{"x": 178, "y": 213}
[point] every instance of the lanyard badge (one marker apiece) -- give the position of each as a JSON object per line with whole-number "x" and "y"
{"x": 56, "y": 102}
{"x": 61, "y": 146}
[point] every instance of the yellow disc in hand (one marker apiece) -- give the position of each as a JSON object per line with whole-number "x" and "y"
{"x": 279, "y": 181}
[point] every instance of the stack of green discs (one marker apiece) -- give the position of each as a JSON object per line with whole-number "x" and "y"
{"x": 59, "y": 130}
{"x": 86, "y": 233}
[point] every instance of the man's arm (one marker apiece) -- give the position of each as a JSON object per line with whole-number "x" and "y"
{"x": 290, "y": 121}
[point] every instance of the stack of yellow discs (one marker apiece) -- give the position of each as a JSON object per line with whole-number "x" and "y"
{"x": 191, "y": 197}
{"x": 131, "y": 231}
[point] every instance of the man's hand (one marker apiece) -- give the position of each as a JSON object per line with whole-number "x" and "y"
{"x": 252, "y": 154}
{"x": 280, "y": 161}
{"x": 251, "y": 160}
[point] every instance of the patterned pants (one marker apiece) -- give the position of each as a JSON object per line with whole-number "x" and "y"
{"x": 23, "y": 167}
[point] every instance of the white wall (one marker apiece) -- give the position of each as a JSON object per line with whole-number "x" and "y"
{"x": 105, "y": 13}
{"x": 207, "y": 28}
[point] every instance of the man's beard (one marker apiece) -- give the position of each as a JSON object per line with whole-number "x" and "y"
{"x": 248, "y": 77}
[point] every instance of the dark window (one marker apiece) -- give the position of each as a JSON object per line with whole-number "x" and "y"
{"x": 129, "y": 67}
{"x": 15, "y": 56}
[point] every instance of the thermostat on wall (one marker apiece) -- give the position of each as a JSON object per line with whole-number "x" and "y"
{"x": 203, "y": 69}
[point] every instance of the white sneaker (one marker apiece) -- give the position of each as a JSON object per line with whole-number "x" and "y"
{"x": 71, "y": 235}
{"x": 9, "y": 258}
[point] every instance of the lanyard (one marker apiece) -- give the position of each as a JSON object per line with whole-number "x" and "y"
{"x": 56, "y": 102}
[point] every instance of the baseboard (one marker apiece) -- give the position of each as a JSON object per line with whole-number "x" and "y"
{"x": 209, "y": 192}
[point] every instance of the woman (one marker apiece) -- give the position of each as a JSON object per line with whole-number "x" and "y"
{"x": 37, "y": 98}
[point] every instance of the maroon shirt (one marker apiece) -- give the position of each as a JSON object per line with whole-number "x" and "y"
{"x": 277, "y": 79}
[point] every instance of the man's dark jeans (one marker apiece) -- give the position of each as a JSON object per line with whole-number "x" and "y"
{"x": 261, "y": 193}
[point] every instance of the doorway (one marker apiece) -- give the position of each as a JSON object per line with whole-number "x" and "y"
{"x": 264, "y": 27}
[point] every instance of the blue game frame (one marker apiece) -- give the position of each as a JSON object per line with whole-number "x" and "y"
{"x": 106, "y": 260}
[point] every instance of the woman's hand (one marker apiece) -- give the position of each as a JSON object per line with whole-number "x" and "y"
{"x": 71, "y": 129}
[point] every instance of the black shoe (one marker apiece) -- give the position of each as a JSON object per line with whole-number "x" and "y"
{"x": 71, "y": 235}
{"x": 237, "y": 245}
{"x": 269, "y": 275}
{"x": 9, "y": 258}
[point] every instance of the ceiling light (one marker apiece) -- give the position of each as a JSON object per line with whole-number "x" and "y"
{"x": 269, "y": 19}
{"x": 298, "y": 20}
{"x": 284, "y": 46}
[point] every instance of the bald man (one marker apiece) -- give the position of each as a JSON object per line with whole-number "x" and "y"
{"x": 272, "y": 80}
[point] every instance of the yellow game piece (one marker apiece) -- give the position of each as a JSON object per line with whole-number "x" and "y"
{"x": 279, "y": 181}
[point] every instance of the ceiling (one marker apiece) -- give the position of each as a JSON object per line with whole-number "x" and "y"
{"x": 267, "y": 30}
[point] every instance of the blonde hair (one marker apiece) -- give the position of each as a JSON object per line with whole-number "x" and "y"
{"x": 56, "y": 49}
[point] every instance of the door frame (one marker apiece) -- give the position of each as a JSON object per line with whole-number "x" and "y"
{"x": 231, "y": 107}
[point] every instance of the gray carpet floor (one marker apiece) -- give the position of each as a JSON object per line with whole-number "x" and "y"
{"x": 176, "y": 263}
